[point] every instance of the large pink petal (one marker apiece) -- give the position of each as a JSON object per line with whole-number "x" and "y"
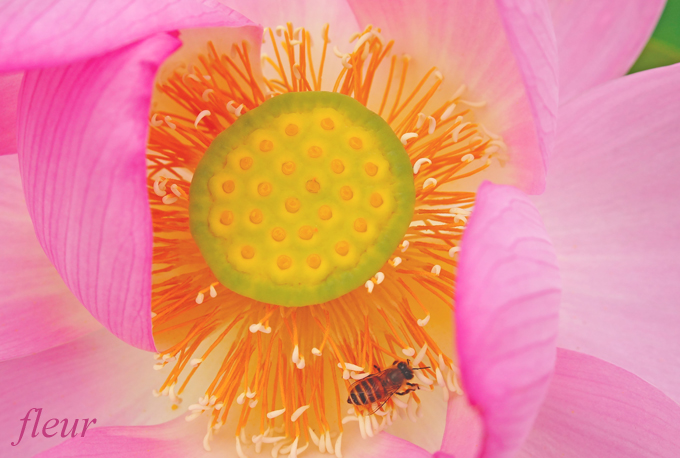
{"x": 611, "y": 208}
{"x": 179, "y": 439}
{"x": 595, "y": 409}
{"x": 507, "y": 302}
{"x": 97, "y": 376}
{"x": 599, "y": 41}
{"x": 45, "y": 34}
{"x": 82, "y": 143}
{"x": 9, "y": 93}
{"x": 37, "y": 311}
{"x": 503, "y": 51}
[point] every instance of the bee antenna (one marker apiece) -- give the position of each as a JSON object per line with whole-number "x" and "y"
{"x": 420, "y": 368}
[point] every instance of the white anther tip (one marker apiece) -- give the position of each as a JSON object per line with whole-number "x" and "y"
{"x": 396, "y": 261}
{"x": 408, "y": 351}
{"x": 379, "y": 277}
{"x": 430, "y": 182}
{"x": 453, "y": 251}
{"x": 468, "y": 158}
{"x": 200, "y": 116}
{"x": 169, "y": 199}
{"x": 316, "y": 351}
{"x": 421, "y": 120}
{"x": 408, "y": 136}
{"x": 424, "y": 321}
{"x": 369, "y": 286}
{"x": 195, "y": 362}
{"x": 199, "y": 298}
{"x": 275, "y": 413}
{"x": 404, "y": 245}
{"x": 436, "y": 269}
{"x": 419, "y": 163}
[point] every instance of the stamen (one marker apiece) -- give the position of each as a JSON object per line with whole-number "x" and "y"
{"x": 200, "y": 116}
{"x": 408, "y": 136}
{"x": 298, "y": 412}
{"x": 419, "y": 163}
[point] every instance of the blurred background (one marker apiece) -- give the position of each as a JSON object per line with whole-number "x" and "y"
{"x": 664, "y": 46}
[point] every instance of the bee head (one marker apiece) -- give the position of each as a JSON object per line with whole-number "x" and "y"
{"x": 406, "y": 370}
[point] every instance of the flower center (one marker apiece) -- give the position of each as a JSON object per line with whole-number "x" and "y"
{"x": 348, "y": 200}
{"x": 302, "y": 199}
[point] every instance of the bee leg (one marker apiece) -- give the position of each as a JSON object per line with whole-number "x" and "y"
{"x": 413, "y": 384}
{"x": 376, "y": 368}
{"x": 407, "y": 391}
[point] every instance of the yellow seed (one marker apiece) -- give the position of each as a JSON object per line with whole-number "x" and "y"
{"x": 256, "y": 216}
{"x": 313, "y": 186}
{"x": 314, "y": 261}
{"x": 291, "y": 130}
{"x": 264, "y": 189}
{"x": 325, "y": 212}
{"x": 266, "y": 145}
{"x": 356, "y": 143}
{"x": 288, "y": 167}
{"x": 360, "y": 225}
{"x": 306, "y": 232}
{"x": 342, "y": 248}
{"x": 246, "y": 163}
{"x": 376, "y": 200}
{"x": 346, "y": 193}
{"x": 247, "y": 252}
{"x": 226, "y": 217}
{"x": 278, "y": 234}
{"x": 292, "y": 204}
{"x": 284, "y": 262}
{"x": 314, "y": 151}
{"x": 337, "y": 166}
{"x": 371, "y": 169}
{"x": 228, "y": 186}
{"x": 327, "y": 124}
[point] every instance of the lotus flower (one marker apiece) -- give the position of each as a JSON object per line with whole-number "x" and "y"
{"x": 471, "y": 93}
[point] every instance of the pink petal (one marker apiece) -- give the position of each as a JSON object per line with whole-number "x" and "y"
{"x": 466, "y": 429}
{"x": 82, "y": 142}
{"x": 599, "y": 41}
{"x": 503, "y": 51}
{"x": 179, "y": 439}
{"x": 37, "y": 311}
{"x": 312, "y": 14}
{"x": 97, "y": 376}
{"x": 507, "y": 301}
{"x": 611, "y": 208}
{"x": 595, "y": 409}
{"x": 58, "y": 32}
{"x": 9, "y": 93}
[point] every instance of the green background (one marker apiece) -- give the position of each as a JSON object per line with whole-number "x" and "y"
{"x": 664, "y": 46}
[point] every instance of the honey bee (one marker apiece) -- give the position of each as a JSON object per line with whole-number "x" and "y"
{"x": 379, "y": 387}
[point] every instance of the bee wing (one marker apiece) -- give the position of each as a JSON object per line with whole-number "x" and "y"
{"x": 388, "y": 395}
{"x": 365, "y": 378}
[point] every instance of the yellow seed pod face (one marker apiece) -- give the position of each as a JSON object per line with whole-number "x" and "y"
{"x": 278, "y": 221}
